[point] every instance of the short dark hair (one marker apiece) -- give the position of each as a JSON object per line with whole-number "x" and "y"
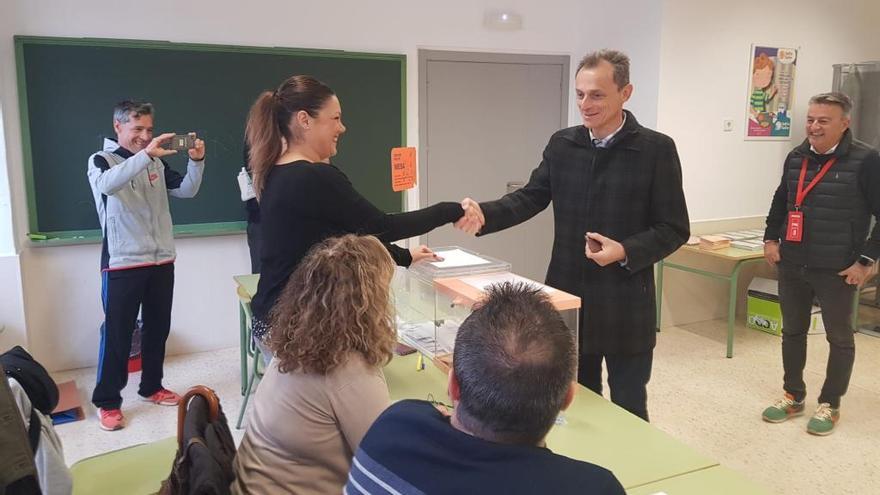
{"x": 127, "y": 109}
{"x": 514, "y": 360}
{"x": 618, "y": 60}
{"x": 833, "y": 98}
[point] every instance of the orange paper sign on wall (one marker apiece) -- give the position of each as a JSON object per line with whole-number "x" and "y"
{"x": 403, "y": 169}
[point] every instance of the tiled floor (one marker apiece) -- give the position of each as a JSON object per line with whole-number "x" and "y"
{"x": 147, "y": 422}
{"x": 714, "y": 404}
{"x": 696, "y": 395}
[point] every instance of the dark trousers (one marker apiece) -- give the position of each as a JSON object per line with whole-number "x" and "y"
{"x": 124, "y": 292}
{"x": 797, "y": 286}
{"x": 628, "y": 376}
{"x": 254, "y": 240}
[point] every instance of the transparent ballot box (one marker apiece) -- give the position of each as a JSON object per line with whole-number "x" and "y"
{"x": 433, "y": 299}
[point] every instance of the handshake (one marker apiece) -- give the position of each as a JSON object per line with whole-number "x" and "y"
{"x": 598, "y": 248}
{"x": 472, "y": 220}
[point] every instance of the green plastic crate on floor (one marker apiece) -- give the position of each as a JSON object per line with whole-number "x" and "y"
{"x": 763, "y": 312}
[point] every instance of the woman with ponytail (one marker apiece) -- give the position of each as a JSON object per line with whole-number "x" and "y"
{"x": 292, "y": 132}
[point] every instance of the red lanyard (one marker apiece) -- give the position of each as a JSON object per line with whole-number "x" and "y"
{"x": 801, "y": 192}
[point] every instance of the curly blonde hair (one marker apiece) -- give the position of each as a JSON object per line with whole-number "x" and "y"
{"x": 337, "y": 301}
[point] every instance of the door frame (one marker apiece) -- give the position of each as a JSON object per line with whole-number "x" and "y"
{"x": 426, "y": 55}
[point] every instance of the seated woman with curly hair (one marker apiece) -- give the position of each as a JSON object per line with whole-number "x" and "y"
{"x": 333, "y": 332}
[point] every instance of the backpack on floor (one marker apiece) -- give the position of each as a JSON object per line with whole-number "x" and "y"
{"x": 37, "y": 384}
{"x": 33, "y": 378}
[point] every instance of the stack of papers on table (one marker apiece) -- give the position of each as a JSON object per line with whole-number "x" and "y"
{"x": 749, "y": 244}
{"x": 713, "y": 242}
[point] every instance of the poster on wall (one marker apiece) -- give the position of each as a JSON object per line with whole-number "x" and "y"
{"x": 771, "y": 86}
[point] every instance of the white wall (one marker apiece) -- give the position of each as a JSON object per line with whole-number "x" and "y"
{"x": 635, "y": 28}
{"x": 61, "y": 285}
{"x": 7, "y": 246}
{"x": 12, "y": 319}
{"x": 704, "y": 78}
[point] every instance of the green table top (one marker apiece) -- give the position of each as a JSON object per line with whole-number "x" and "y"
{"x": 134, "y": 470}
{"x": 717, "y": 480}
{"x": 595, "y": 430}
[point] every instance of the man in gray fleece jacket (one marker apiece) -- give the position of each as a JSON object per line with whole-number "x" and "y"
{"x": 130, "y": 184}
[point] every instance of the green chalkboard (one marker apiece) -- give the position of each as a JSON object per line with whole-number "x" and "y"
{"x": 68, "y": 87}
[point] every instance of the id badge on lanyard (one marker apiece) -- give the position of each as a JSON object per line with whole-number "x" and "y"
{"x": 795, "y": 230}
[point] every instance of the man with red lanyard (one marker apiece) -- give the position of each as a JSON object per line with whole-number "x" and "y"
{"x": 817, "y": 234}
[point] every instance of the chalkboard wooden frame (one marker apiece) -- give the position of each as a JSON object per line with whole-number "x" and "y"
{"x": 58, "y": 236}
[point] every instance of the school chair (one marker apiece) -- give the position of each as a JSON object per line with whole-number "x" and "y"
{"x": 248, "y": 350}
{"x": 205, "y": 449}
{"x": 244, "y": 323}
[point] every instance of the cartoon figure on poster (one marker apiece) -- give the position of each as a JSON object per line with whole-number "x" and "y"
{"x": 763, "y": 90}
{"x": 769, "y": 103}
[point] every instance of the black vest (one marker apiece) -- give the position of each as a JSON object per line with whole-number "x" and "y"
{"x": 836, "y": 213}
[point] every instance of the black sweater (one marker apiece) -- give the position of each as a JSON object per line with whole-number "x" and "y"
{"x": 304, "y": 203}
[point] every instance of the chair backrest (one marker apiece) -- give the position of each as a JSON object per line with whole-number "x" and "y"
{"x": 205, "y": 447}
{"x": 213, "y": 409}
{"x": 245, "y": 300}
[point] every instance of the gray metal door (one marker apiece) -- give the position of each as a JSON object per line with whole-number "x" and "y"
{"x": 861, "y": 82}
{"x": 485, "y": 119}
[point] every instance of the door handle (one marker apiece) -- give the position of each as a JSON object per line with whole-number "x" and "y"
{"x": 513, "y": 186}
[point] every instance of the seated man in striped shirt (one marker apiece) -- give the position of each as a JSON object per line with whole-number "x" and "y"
{"x": 513, "y": 372}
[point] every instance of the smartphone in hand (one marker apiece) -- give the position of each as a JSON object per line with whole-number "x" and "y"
{"x": 182, "y": 142}
{"x": 594, "y": 245}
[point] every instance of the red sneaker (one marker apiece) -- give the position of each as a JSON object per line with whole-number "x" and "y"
{"x": 163, "y": 397}
{"x": 111, "y": 419}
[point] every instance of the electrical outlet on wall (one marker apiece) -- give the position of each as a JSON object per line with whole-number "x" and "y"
{"x": 727, "y": 125}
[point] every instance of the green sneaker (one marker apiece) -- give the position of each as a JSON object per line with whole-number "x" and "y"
{"x": 784, "y": 408}
{"x": 824, "y": 420}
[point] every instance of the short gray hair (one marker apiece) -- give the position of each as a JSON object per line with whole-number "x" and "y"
{"x": 617, "y": 59}
{"x": 833, "y": 98}
{"x": 126, "y": 109}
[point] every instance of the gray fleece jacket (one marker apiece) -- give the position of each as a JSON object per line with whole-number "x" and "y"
{"x": 131, "y": 196}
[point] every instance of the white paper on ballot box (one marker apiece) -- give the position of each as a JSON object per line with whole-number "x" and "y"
{"x": 456, "y": 257}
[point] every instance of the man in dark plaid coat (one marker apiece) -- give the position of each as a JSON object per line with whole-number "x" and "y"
{"x": 619, "y": 185}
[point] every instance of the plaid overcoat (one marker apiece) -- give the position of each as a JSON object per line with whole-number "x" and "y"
{"x": 630, "y": 191}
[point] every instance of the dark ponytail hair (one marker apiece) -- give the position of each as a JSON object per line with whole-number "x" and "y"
{"x": 269, "y": 121}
